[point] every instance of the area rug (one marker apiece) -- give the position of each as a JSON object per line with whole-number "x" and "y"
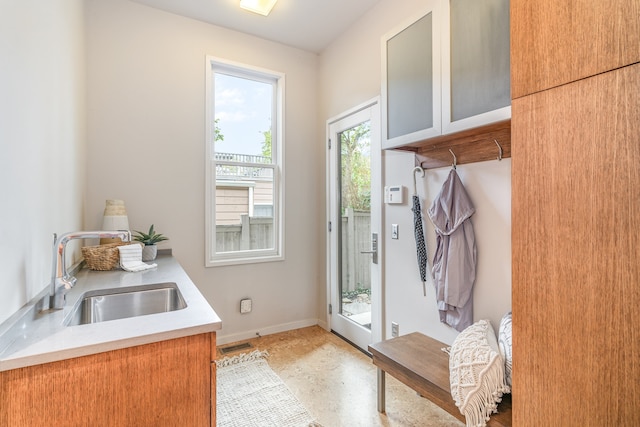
{"x": 250, "y": 394}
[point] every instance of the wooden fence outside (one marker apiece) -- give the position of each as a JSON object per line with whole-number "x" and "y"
{"x": 251, "y": 233}
{"x": 356, "y": 237}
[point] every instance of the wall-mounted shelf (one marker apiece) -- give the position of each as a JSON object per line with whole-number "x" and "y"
{"x": 469, "y": 146}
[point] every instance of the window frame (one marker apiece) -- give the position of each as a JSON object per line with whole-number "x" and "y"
{"x": 212, "y": 258}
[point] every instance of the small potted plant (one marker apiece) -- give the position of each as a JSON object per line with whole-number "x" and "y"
{"x": 150, "y": 250}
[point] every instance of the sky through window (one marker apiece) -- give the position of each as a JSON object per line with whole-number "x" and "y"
{"x": 243, "y": 111}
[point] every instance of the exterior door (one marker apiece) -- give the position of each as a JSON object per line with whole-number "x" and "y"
{"x": 354, "y": 205}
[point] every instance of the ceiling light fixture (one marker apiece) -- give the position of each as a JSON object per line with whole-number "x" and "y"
{"x": 263, "y": 7}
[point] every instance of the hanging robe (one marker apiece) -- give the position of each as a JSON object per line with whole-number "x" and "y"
{"x": 454, "y": 261}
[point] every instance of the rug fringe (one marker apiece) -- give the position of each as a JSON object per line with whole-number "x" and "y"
{"x": 244, "y": 357}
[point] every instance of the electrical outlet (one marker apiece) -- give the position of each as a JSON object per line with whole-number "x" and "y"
{"x": 245, "y": 305}
{"x": 395, "y": 329}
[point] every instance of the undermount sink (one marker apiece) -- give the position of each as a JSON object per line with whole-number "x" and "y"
{"x": 120, "y": 303}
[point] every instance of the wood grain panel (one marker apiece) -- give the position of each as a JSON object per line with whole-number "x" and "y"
{"x": 165, "y": 383}
{"x": 555, "y": 42}
{"x": 575, "y": 248}
{"x": 469, "y": 146}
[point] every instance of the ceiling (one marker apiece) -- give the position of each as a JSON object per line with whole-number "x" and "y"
{"x": 310, "y": 25}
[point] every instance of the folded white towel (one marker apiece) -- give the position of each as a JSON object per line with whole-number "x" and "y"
{"x": 131, "y": 258}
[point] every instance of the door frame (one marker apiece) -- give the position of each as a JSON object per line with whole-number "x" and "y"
{"x": 377, "y": 270}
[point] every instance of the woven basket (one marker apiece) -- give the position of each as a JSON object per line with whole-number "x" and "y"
{"x": 102, "y": 257}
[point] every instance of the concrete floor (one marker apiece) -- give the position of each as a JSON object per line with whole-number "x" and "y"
{"x": 337, "y": 383}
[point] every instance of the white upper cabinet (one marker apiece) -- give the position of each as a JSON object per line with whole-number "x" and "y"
{"x": 475, "y": 64}
{"x": 411, "y": 88}
{"x": 446, "y": 71}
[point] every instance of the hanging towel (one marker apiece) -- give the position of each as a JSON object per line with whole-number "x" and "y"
{"x": 454, "y": 261}
{"x": 131, "y": 258}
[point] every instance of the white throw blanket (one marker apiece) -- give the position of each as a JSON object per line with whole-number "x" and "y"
{"x": 476, "y": 371}
{"x": 131, "y": 258}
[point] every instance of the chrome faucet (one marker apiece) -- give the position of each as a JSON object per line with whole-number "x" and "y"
{"x": 61, "y": 281}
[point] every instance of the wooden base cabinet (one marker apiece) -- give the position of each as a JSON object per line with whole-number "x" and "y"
{"x": 165, "y": 383}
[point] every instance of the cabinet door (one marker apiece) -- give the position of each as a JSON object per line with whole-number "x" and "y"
{"x": 557, "y": 42}
{"x": 157, "y": 384}
{"x": 575, "y": 234}
{"x": 475, "y": 63}
{"x": 411, "y": 80}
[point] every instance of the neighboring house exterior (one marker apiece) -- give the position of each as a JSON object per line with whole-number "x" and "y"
{"x": 243, "y": 190}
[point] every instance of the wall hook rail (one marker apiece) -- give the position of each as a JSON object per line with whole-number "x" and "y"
{"x": 499, "y": 149}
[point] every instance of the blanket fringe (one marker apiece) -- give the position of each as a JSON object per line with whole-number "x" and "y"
{"x": 244, "y": 357}
{"x": 478, "y": 406}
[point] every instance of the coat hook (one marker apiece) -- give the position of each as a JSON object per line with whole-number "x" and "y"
{"x": 499, "y": 148}
{"x": 455, "y": 159}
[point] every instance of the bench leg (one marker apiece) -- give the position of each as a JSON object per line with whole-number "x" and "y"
{"x": 381, "y": 391}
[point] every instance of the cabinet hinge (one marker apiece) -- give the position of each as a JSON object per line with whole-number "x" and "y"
{"x": 330, "y": 309}
{"x": 329, "y": 226}
{"x": 329, "y": 143}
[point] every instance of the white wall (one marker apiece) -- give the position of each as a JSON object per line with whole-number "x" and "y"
{"x": 42, "y": 137}
{"x": 489, "y": 186}
{"x": 349, "y": 74}
{"x": 146, "y": 124}
{"x": 145, "y": 86}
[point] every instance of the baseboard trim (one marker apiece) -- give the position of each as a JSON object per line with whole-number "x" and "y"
{"x": 222, "y": 339}
{"x": 324, "y": 325}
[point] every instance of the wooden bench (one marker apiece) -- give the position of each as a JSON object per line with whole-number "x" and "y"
{"x": 419, "y": 362}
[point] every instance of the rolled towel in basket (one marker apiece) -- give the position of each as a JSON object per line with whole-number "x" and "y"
{"x": 131, "y": 258}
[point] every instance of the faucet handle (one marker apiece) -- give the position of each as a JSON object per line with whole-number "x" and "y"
{"x": 69, "y": 282}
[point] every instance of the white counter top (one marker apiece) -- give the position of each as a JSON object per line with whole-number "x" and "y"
{"x": 31, "y": 338}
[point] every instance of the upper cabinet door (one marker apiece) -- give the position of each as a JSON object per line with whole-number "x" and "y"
{"x": 597, "y": 36}
{"x": 475, "y": 64}
{"x": 411, "y": 84}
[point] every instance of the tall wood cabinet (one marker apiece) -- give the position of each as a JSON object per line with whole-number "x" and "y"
{"x": 576, "y": 212}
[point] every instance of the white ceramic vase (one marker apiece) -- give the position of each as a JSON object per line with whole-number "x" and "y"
{"x": 149, "y": 252}
{"x": 114, "y": 218}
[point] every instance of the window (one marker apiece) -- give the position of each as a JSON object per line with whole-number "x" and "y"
{"x": 244, "y": 164}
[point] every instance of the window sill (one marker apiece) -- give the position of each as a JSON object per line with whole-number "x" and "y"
{"x": 243, "y": 261}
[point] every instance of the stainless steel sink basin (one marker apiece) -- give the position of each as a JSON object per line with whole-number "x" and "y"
{"x": 119, "y": 303}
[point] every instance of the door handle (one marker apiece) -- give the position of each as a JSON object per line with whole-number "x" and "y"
{"x": 374, "y": 248}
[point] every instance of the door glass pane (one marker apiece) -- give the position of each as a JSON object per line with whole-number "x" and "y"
{"x": 355, "y": 224}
